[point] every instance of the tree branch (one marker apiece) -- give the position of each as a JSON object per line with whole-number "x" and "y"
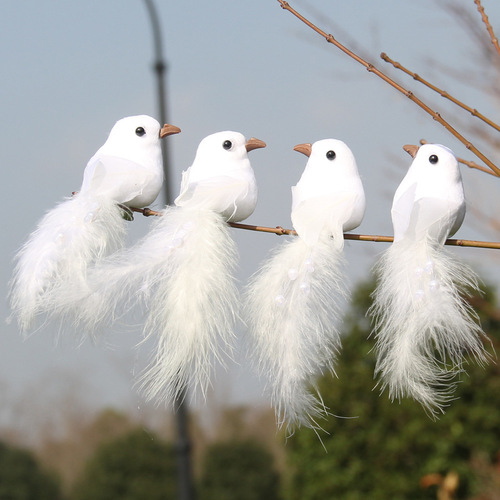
{"x": 442, "y": 93}
{"x": 486, "y": 21}
{"x": 372, "y": 69}
{"x": 280, "y": 231}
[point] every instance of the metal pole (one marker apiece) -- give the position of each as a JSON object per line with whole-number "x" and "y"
{"x": 183, "y": 444}
{"x": 160, "y": 68}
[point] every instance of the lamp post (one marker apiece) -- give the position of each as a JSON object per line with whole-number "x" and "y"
{"x": 183, "y": 444}
{"x": 160, "y": 68}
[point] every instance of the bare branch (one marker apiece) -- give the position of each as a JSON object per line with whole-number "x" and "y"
{"x": 372, "y": 69}
{"x": 367, "y": 237}
{"x": 486, "y": 21}
{"x": 280, "y": 231}
{"x": 147, "y": 212}
{"x": 442, "y": 93}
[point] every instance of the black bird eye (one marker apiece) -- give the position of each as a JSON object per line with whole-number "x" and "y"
{"x": 433, "y": 159}
{"x": 227, "y": 145}
{"x": 140, "y": 131}
{"x": 331, "y": 155}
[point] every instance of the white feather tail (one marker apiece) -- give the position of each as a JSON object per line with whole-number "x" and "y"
{"x": 76, "y": 233}
{"x": 292, "y": 312}
{"x": 117, "y": 283}
{"x": 423, "y": 325}
{"x": 192, "y": 299}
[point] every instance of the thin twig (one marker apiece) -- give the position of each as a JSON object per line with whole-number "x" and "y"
{"x": 147, "y": 212}
{"x": 468, "y": 163}
{"x": 367, "y": 237}
{"x": 280, "y": 231}
{"x": 442, "y": 93}
{"x": 486, "y": 21}
{"x": 372, "y": 69}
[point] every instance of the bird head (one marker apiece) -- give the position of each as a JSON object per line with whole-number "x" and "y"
{"x": 136, "y": 138}
{"x": 225, "y": 151}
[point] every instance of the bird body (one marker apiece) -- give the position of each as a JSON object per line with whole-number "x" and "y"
{"x": 423, "y": 325}
{"x": 82, "y": 229}
{"x": 126, "y": 164}
{"x": 293, "y": 301}
{"x": 221, "y": 178}
{"x": 429, "y": 201}
{"x": 327, "y": 198}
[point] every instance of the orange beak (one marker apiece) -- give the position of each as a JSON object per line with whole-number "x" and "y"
{"x": 168, "y": 129}
{"x": 254, "y": 143}
{"x": 411, "y": 149}
{"x": 305, "y": 149}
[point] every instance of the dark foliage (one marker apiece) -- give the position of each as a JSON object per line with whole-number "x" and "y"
{"x": 392, "y": 450}
{"x": 135, "y": 466}
{"x": 242, "y": 470}
{"x": 22, "y": 479}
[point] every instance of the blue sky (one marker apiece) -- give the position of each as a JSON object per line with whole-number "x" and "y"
{"x": 71, "y": 69}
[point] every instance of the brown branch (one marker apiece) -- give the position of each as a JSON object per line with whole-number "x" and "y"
{"x": 486, "y": 21}
{"x": 280, "y": 231}
{"x": 367, "y": 237}
{"x": 442, "y": 93}
{"x": 372, "y": 69}
{"x": 468, "y": 163}
{"x": 147, "y": 212}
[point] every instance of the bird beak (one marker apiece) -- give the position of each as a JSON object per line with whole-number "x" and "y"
{"x": 305, "y": 149}
{"x": 411, "y": 149}
{"x": 168, "y": 129}
{"x": 254, "y": 143}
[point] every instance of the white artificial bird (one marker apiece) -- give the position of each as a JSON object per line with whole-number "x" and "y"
{"x": 423, "y": 326}
{"x": 293, "y": 301}
{"x": 183, "y": 270}
{"x": 126, "y": 170}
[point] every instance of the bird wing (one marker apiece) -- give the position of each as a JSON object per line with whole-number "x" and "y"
{"x": 184, "y": 186}
{"x": 117, "y": 178}
{"x": 402, "y": 207}
{"x": 219, "y": 193}
{"x": 313, "y": 216}
{"x": 435, "y": 217}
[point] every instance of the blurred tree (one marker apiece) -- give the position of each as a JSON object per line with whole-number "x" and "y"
{"x": 21, "y": 478}
{"x": 239, "y": 469}
{"x": 69, "y": 452}
{"x": 393, "y": 450}
{"x": 135, "y": 466}
{"x": 248, "y": 423}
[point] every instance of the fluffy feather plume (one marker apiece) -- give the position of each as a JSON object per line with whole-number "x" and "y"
{"x": 293, "y": 301}
{"x": 182, "y": 273}
{"x": 81, "y": 230}
{"x": 74, "y": 234}
{"x": 423, "y": 326}
{"x": 192, "y": 302}
{"x": 292, "y": 312}
{"x": 182, "y": 270}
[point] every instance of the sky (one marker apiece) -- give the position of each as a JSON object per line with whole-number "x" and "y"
{"x": 72, "y": 69}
